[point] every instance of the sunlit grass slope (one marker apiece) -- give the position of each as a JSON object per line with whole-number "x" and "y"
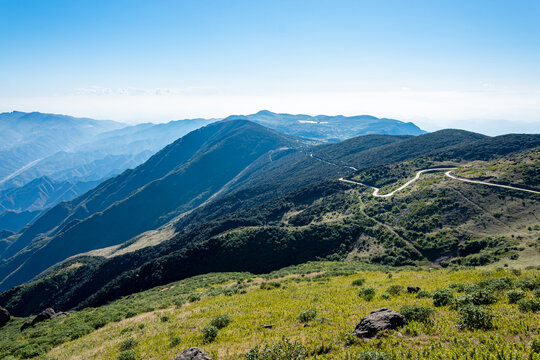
{"x": 159, "y": 323}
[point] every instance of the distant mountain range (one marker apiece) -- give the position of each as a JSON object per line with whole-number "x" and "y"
{"x": 48, "y": 158}
{"x": 330, "y": 128}
{"x": 231, "y": 196}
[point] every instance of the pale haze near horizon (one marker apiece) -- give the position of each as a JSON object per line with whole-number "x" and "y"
{"x": 470, "y": 65}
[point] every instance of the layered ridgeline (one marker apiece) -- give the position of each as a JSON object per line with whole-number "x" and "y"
{"x": 178, "y": 178}
{"x": 48, "y": 158}
{"x": 70, "y": 155}
{"x": 30, "y": 137}
{"x": 284, "y": 205}
{"x": 331, "y": 128}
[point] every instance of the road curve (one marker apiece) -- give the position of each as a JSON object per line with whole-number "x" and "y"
{"x": 448, "y": 173}
{"x": 376, "y": 190}
{"x": 417, "y": 176}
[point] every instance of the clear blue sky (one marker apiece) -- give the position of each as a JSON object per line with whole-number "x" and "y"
{"x": 431, "y": 60}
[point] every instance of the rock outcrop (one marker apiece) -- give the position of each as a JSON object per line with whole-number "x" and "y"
{"x": 4, "y": 316}
{"x": 378, "y": 320}
{"x": 46, "y": 314}
{"x": 193, "y": 353}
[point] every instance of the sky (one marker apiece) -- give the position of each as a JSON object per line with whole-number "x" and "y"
{"x": 471, "y": 64}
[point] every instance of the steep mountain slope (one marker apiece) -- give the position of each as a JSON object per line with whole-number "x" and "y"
{"x": 252, "y": 230}
{"x": 89, "y": 158}
{"x": 175, "y": 180}
{"x": 41, "y": 193}
{"x": 330, "y": 128}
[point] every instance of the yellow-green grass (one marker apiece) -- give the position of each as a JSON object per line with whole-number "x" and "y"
{"x": 339, "y": 309}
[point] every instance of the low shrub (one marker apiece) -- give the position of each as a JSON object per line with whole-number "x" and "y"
{"x": 367, "y": 294}
{"x": 474, "y": 317}
{"x": 529, "y": 305}
{"x": 127, "y": 355}
{"x": 175, "y": 341}
{"x": 394, "y": 290}
{"x": 535, "y": 346}
{"x": 442, "y": 297}
{"x": 515, "y": 295}
{"x": 128, "y": 344}
{"x": 482, "y": 297}
{"x": 270, "y": 285}
{"x": 416, "y": 313}
{"x": 497, "y": 284}
{"x": 528, "y": 283}
{"x": 194, "y": 297}
{"x": 372, "y": 355}
{"x": 307, "y": 316}
{"x": 221, "y": 321}
{"x": 358, "y": 282}
{"x": 423, "y": 294}
{"x": 284, "y": 350}
{"x": 210, "y": 333}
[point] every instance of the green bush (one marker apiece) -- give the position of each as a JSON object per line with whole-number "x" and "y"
{"x": 536, "y": 293}
{"x": 358, "y": 282}
{"x": 528, "y": 283}
{"x": 515, "y": 295}
{"x": 307, "y": 316}
{"x": 210, "y": 333}
{"x": 127, "y": 355}
{"x": 30, "y": 351}
{"x": 497, "y": 284}
{"x": 284, "y": 350}
{"x": 416, "y": 313}
{"x": 164, "y": 318}
{"x": 394, "y": 290}
{"x": 372, "y": 355}
{"x": 367, "y": 294}
{"x": 270, "y": 285}
{"x": 461, "y": 301}
{"x": 529, "y": 305}
{"x": 175, "y": 341}
{"x": 482, "y": 297}
{"x": 179, "y": 302}
{"x": 423, "y": 294}
{"x": 221, "y": 321}
{"x": 128, "y": 344}
{"x": 474, "y": 317}
{"x": 535, "y": 346}
{"x": 442, "y": 297}
{"x": 194, "y": 297}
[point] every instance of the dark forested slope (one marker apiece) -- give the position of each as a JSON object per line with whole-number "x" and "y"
{"x": 178, "y": 178}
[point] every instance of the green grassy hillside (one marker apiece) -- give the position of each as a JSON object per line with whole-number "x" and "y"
{"x": 159, "y": 323}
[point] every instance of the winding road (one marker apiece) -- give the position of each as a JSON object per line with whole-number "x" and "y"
{"x": 448, "y": 174}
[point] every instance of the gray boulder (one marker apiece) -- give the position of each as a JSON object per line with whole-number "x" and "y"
{"x": 4, "y": 316}
{"x": 46, "y": 314}
{"x": 379, "y": 320}
{"x": 193, "y": 353}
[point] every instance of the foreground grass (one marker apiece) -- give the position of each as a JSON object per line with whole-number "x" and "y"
{"x": 161, "y": 329}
